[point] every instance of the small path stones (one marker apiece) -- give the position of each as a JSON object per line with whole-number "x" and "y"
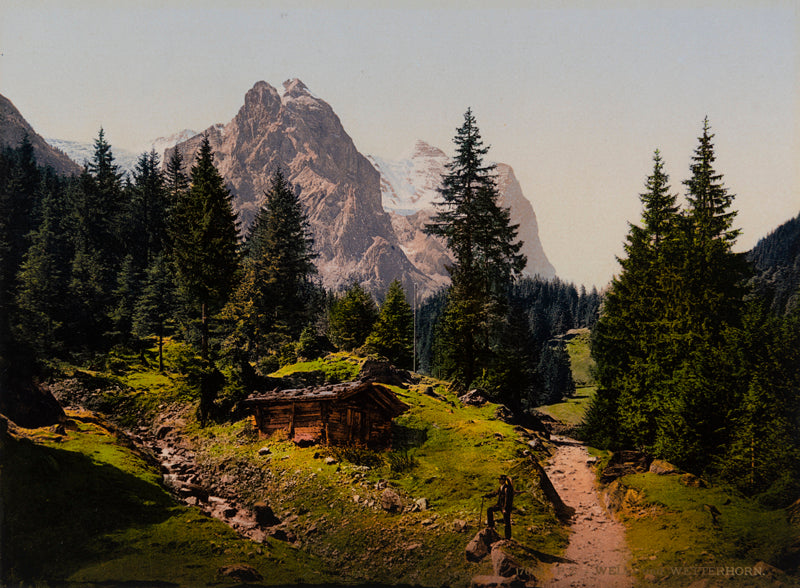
{"x": 597, "y": 554}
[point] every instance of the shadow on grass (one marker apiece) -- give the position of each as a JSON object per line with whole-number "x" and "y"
{"x": 56, "y": 504}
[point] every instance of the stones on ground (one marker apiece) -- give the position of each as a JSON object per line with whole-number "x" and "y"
{"x": 505, "y": 564}
{"x": 391, "y": 501}
{"x": 241, "y": 573}
{"x": 623, "y": 463}
{"x": 331, "y": 461}
{"x": 421, "y": 504}
{"x": 481, "y": 544}
{"x": 460, "y": 525}
{"x": 264, "y": 451}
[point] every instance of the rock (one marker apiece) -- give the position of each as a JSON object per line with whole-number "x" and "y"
{"x": 692, "y": 481}
{"x": 278, "y": 534}
{"x": 496, "y": 582}
{"x": 504, "y": 564}
{"x": 382, "y": 371}
{"x": 163, "y": 431}
{"x": 28, "y": 404}
{"x": 264, "y": 451}
{"x": 391, "y": 501}
{"x": 623, "y": 463}
{"x": 421, "y": 503}
{"x": 460, "y": 525}
{"x": 474, "y": 397}
{"x": 264, "y": 515}
{"x": 481, "y": 544}
{"x": 331, "y": 461}
{"x": 663, "y": 468}
{"x": 241, "y": 573}
{"x": 229, "y": 512}
{"x": 503, "y": 413}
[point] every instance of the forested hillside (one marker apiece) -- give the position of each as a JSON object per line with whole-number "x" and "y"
{"x": 776, "y": 260}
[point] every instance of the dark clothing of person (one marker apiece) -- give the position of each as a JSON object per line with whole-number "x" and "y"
{"x": 505, "y": 501}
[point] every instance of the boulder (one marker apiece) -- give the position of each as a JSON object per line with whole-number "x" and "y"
{"x": 374, "y": 370}
{"x": 504, "y": 564}
{"x": 241, "y": 573}
{"x": 264, "y": 451}
{"x": 474, "y": 397}
{"x": 30, "y": 405}
{"x": 264, "y": 515}
{"x": 663, "y": 468}
{"x": 391, "y": 501}
{"x": 481, "y": 544}
{"x": 421, "y": 503}
{"x": 623, "y": 463}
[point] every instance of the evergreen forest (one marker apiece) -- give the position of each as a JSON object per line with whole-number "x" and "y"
{"x": 696, "y": 346}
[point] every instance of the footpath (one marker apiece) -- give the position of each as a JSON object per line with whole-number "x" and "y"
{"x": 597, "y": 554}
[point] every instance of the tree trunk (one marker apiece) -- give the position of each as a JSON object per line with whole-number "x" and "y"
{"x": 204, "y": 332}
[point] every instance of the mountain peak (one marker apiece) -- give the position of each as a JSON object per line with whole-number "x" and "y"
{"x": 423, "y": 149}
{"x": 295, "y": 87}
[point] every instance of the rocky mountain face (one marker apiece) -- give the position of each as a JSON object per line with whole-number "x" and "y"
{"x": 13, "y": 127}
{"x": 299, "y": 133}
{"x": 409, "y": 190}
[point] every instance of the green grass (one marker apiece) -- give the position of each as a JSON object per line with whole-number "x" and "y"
{"x": 671, "y": 533}
{"x": 457, "y": 453}
{"x": 571, "y": 410}
{"x": 337, "y": 367}
{"x": 86, "y": 510}
{"x": 579, "y": 349}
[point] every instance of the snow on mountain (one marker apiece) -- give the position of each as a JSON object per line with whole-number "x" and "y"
{"x": 410, "y": 184}
{"x": 81, "y": 153}
{"x": 409, "y": 188}
{"x": 161, "y": 144}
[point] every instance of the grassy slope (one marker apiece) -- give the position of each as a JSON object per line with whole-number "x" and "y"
{"x": 571, "y": 410}
{"x": 82, "y": 508}
{"x": 85, "y": 509}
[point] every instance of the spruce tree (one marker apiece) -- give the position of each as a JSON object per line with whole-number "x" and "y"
{"x": 280, "y": 242}
{"x": 156, "y": 304}
{"x": 205, "y": 240}
{"x": 479, "y": 234}
{"x": 351, "y": 318}
{"x": 392, "y": 335}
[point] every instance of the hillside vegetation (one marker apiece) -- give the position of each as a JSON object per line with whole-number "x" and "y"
{"x": 86, "y": 506}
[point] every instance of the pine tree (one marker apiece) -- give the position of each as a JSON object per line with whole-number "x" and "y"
{"x": 479, "y": 234}
{"x": 351, "y": 318}
{"x": 280, "y": 242}
{"x": 205, "y": 240}
{"x": 393, "y": 334}
{"x": 149, "y": 214}
{"x": 631, "y": 330}
{"x": 156, "y": 304}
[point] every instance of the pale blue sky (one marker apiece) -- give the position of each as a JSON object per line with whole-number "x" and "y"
{"x": 575, "y": 97}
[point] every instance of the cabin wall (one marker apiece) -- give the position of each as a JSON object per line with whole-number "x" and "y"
{"x": 339, "y": 424}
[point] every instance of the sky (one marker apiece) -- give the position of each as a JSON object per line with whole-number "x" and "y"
{"x": 575, "y": 95}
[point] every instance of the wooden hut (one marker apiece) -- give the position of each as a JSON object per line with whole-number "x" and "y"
{"x": 342, "y": 414}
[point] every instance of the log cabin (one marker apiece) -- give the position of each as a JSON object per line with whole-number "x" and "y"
{"x": 354, "y": 413}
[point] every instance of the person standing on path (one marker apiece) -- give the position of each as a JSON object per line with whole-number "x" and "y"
{"x": 505, "y": 501}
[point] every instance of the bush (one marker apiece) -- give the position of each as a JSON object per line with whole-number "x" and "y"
{"x": 357, "y": 455}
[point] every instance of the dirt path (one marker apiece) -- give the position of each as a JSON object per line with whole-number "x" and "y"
{"x": 597, "y": 555}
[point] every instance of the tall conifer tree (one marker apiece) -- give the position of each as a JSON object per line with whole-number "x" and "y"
{"x": 479, "y": 234}
{"x": 206, "y": 240}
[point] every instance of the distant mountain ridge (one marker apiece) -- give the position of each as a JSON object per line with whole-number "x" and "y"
{"x": 14, "y": 127}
